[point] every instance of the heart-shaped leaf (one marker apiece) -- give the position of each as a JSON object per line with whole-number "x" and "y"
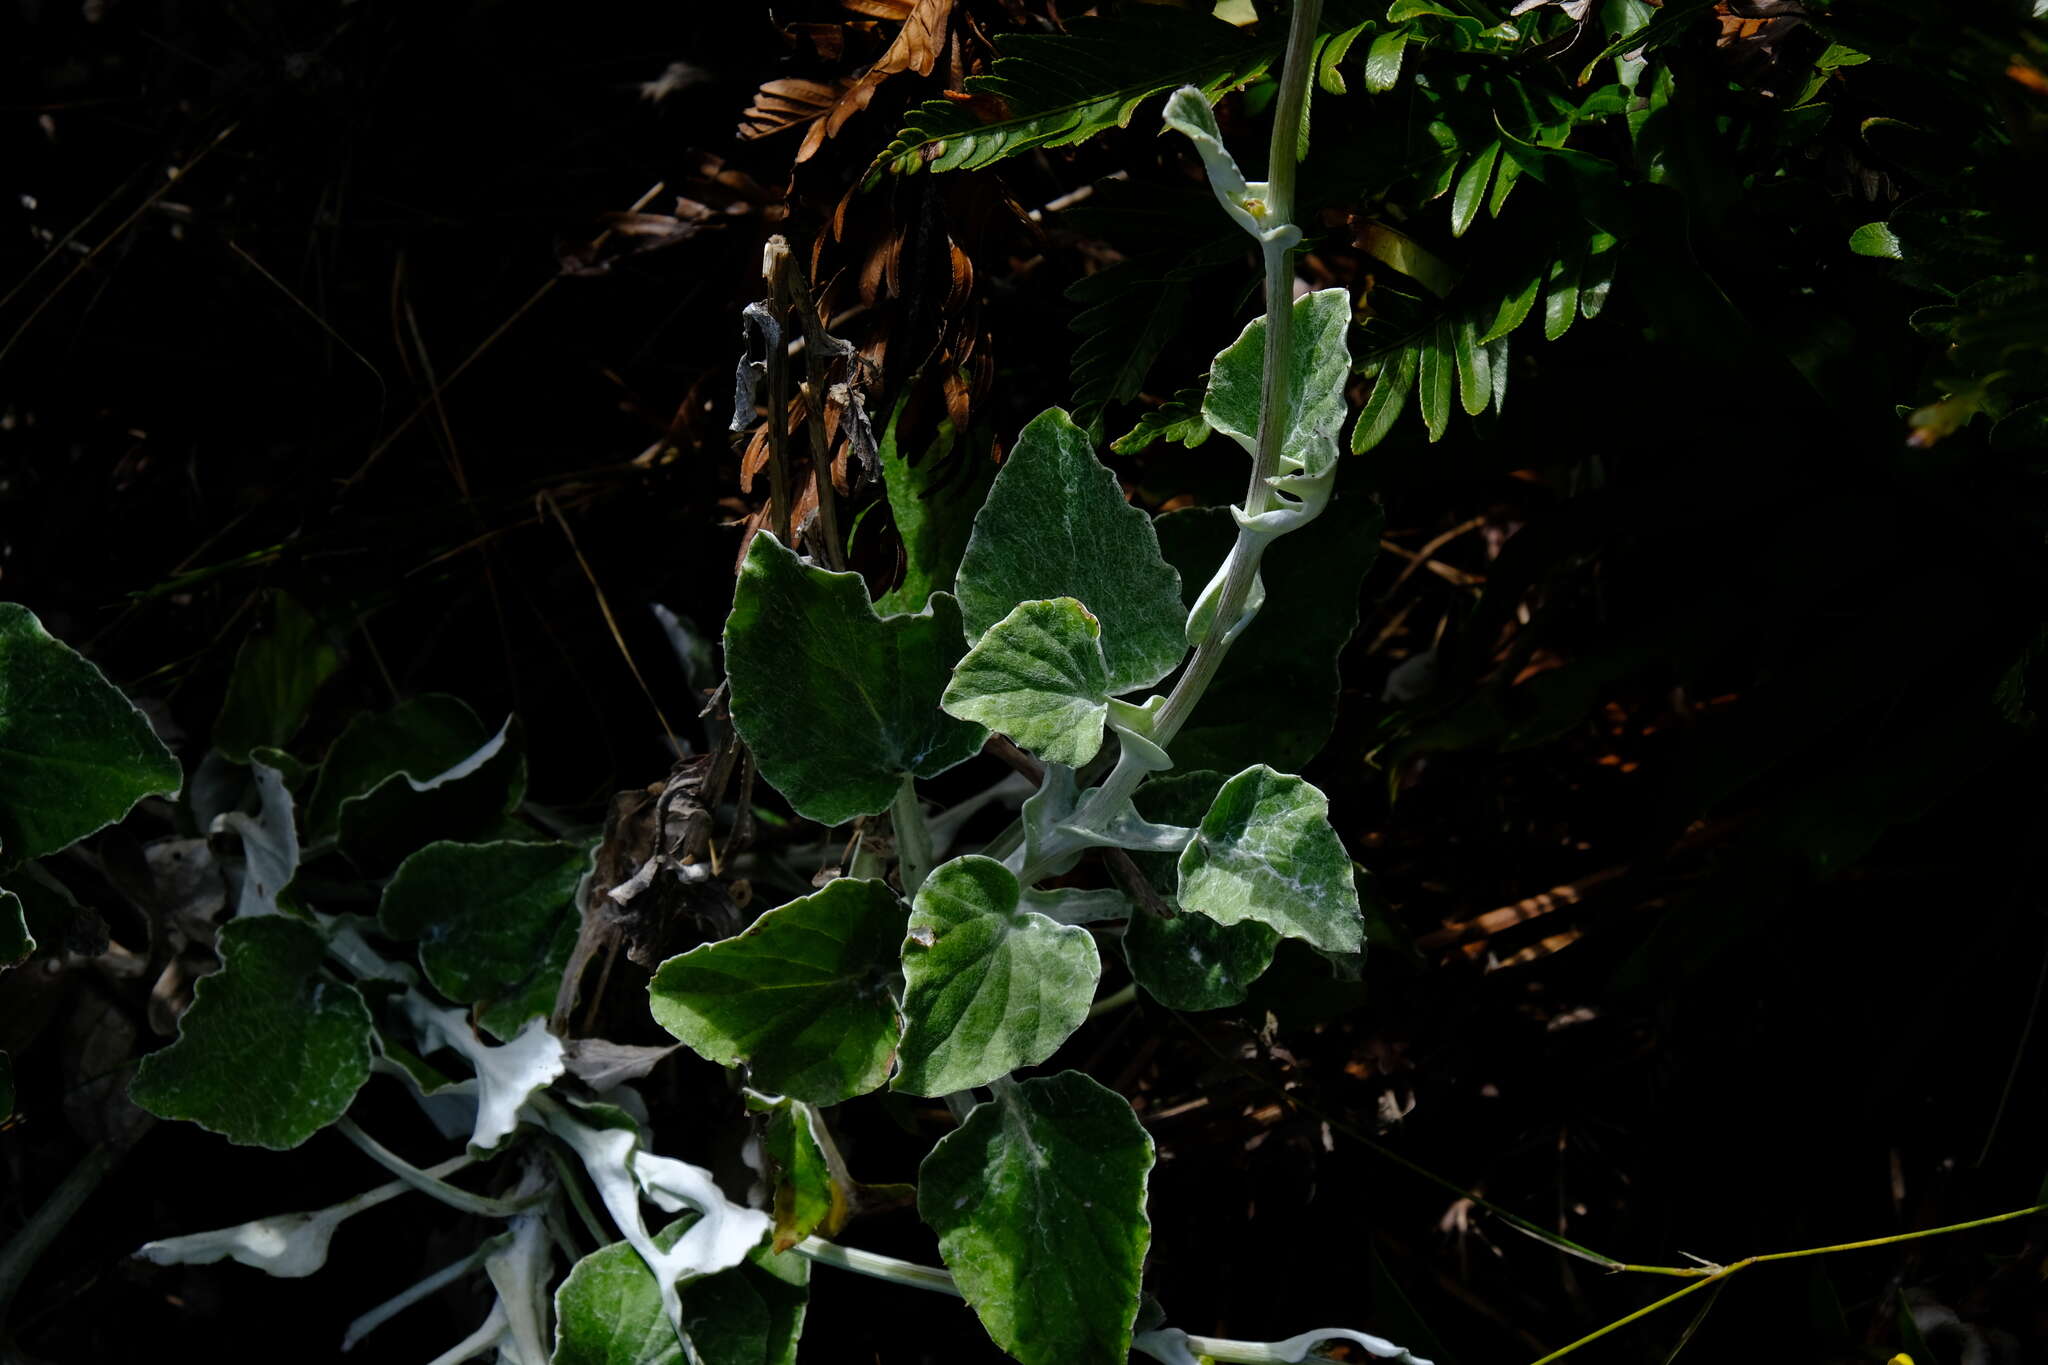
{"x": 988, "y": 987}
{"x": 272, "y": 1049}
{"x": 1056, "y": 524}
{"x": 1038, "y": 676}
{"x": 1189, "y": 962}
{"x": 485, "y": 915}
{"x": 1039, "y": 1203}
{"x": 1266, "y": 852}
{"x": 800, "y": 997}
{"x": 837, "y": 703}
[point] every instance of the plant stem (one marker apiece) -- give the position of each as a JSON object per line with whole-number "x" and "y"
{"x": 452, "y": 1195}
{"x": 1115, "y": 1000}
{"x": 913, "y": 837}
{"x": 818, "y": 364}
{"x": 775, "y": 263}
{"x": 1706, "y": 1275}
{"x": 878, "y": 1266}
{"x": 1273, "y": 414}
{"x": 19, "y": 1254}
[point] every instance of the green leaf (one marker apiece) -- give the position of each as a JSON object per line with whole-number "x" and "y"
{"x": 1519, "y": 301}
{"x": 988, "y": 987}
{"x": 469, "y": 800}
{"x": 1057, "y": 89}
{"x": 837, "y": 703}
{"x": 1438, "y": 375}
{"x": 1471, "y": 191}
{"x": 1408, "y": 256}
{"x": 1321, "y": 364}
{"x": 16, "y": 943}
{"x": 1189, "y": 962}
{"x": 806, "y": 1198}
{"x": 276, "y": 673}
{"x": 75, "y": 755}
{"x": 1596, "y": 279}
{"x": 933, "y": 500}
{"x": 1056, "y": 525}
{"x": 272, "y": 1049}
{"x": 608, "y": 1310}
{"x": 2022, "y": 430}
{"x": 1330, "y": 58}
{"x": 504, "y": 1016}
{"x": 1383, "y": 60}
{"x": 1561, "y": 294}
{"x": 1038, "y": 676}
{"x": 1475, "y": 373}
{"x": 1178, "y": 421}
{"x": 1383, "y": 405}
{"x": 800, "y": 997}
{"x": 1503, "y": 185}
{"x": 484, "y": 915}
{"x": 1275, "y": 696}
{"x": 1266, "y": 852}
{"x": 1877, "y": 239}
{"x": 1039, "y": 1203}
{"x": 419, "y": 738}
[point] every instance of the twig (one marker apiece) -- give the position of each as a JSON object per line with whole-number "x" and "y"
{"x": 177, "y": 174}
{"x": 775, "y": 263}
{"x": 611, "y": 622}
{"x": 1713, "y": 1275}
{"x": 818, "y": 363}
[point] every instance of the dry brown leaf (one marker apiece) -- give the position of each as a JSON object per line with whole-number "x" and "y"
{"x": 897, "y": 10}
{"x": 788, "y": 103}
{"x": 916, "y": 48}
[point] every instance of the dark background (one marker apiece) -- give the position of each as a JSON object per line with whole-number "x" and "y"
{"x": 1794, "y": 1017}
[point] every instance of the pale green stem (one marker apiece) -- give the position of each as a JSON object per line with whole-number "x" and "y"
{"x": 1116, "y": 1000}
{"x": 913, "y": 837}
{"x": 1714, "y": 1274}
{"x": 406, "y": 1298}
{"x": 1295, "y": 75}
{"x": 879, "y": 1267}
{"x": 452, "y": 1195}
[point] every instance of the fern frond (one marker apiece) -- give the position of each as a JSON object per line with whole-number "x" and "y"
{"x": 1056, "y": 89}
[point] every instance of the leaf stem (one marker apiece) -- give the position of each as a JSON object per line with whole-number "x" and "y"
{"x": 452, "y": 1195}
{"x": 913, "y": 837}
{"x": 878, "y": 1266}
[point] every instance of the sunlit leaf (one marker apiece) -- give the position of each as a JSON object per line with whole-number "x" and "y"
{"x": 1314, "y": 388}
{"x": 989, "y": 987}
{"x": 1056, "y": 525}
{"x": 1038, "y": 1200}
{"x": 1266, "y": 852}
{"x": 1189, "y": 962}
{"x": 1038, "y": 676}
